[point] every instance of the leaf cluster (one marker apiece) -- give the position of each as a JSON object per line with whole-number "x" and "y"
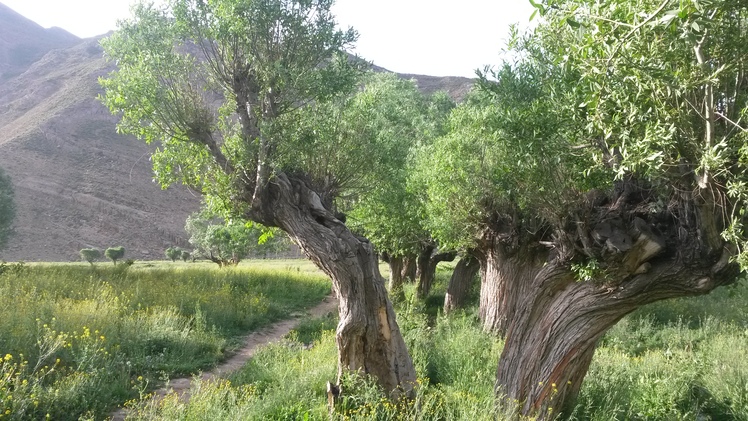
{"x": 230, "y": 240}
{"x": 208, "y": 81}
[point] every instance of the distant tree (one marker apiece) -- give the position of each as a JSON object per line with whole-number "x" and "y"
{"x": 90, "y": 255}
{"x": 228, "y": 242}
{"x": 7, "y": 207}
{"x": 173, "y": 253}
{"x": 185, "y": 255}
{"x": 115, "y": 253}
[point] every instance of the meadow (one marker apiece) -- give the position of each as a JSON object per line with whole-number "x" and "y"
{"x": 677, "y": 360}
{"x": 95, "y": 337}
{"x": 76, "y": 340}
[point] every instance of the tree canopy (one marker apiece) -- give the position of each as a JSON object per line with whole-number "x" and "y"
{"x": 229, "y": 241}
{"x": 187, "y": 70}
{"x": 598, "y": 93}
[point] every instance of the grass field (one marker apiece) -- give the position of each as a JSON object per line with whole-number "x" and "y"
{"x": 678, "y": 360}
{"x": 93, "y": 337}
{"x": 76, "y": 340}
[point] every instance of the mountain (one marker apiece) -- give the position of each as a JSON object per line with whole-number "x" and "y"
{"x": 77, "y": 182}
{"x": 23, "y": 42}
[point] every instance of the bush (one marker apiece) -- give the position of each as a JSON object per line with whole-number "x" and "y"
{"x": 186, "y": 255}
{"x": 90, "y": 255}
{"x": 173, "y": 253}
{"x": 115, "y": 253}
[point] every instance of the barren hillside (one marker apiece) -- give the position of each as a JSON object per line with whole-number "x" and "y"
{"x": 79, "y": 184}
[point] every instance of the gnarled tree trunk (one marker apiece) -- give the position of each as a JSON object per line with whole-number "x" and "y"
{"x": 368, "y": 337}
{"x": 499, "y": 291}
{"x": 426, "y": 264}
{"x": 557, "y": 320}
{"x": 409, "y": 268}
{"x": 396, "y": 277}
{"x": 460, "y": 283}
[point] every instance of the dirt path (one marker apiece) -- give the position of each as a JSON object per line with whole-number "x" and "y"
{"x": 252, "y": 343}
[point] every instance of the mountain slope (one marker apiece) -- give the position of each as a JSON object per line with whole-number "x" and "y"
{"x": 23, "y": 42}
{"x": 77, "y": 182}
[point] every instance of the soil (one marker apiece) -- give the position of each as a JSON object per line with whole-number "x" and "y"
{"x": 253, "y": 342}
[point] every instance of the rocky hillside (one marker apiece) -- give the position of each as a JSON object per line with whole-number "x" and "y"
{"x": 79, "y": 184}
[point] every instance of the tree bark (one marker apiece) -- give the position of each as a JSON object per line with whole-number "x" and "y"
{"x": 460, "y": 283}
{"x": 368, "y": 337}
{"x": 556, "y": 320}
{"x": 426, "y": 264}
{"x": 396, "y": 278}
{"x": 499, "y": 291}
{"x": 409, "y": 268}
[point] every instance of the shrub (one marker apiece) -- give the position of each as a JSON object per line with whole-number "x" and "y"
{"x": 186, "y": 255}
{"x": 90, "y": 255}
{"x": 173, "y": 253}
{"x": 115, "y": 253}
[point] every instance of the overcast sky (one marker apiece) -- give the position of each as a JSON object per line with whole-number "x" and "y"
{"x": 440, "y": 38}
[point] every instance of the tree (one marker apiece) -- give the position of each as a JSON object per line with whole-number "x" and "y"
{"x": 115, "y": 253}
{"x": 90, "y": 254}
{"x": 268, "y": 62}
{"x": 228, "y": 242}
{"x": 390, "y": 212}
{"x": 185, "y": 255}
{"x": 173, "y": 253}
{"x": 7, "y": 208}
{"x": 460, "y": 282}
{"x": 602, "y": 170}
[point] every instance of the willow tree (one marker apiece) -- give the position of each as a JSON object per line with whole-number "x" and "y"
{"x": 230, "y": 90}
{"x": 391, "y": 212}
{"x": 601, "y": 170}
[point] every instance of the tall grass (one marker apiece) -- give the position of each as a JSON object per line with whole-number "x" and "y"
{"x": 669, "y": 361}
{"x": 76, "y": 340}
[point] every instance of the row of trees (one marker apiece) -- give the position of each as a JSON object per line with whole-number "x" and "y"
{"x": 112, "y": 253}
{"x": 599, "y": 170}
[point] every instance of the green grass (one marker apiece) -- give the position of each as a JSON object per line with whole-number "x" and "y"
{"x": 677, "y": 360}
{"x": 76, "y": 340}
{"x": 669, "y": 361}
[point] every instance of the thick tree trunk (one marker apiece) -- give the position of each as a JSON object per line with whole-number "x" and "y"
{"x": 423, "y": 271}
{"x": 499, "y": 292}
{"x": 368, "y": 337}
{"x": 460, "y": 283}
{"x": 557, "y": 320}
{"x": 409, "y": 268}
{"x": 396, "y": 278}
{"x": 426, "y": 264}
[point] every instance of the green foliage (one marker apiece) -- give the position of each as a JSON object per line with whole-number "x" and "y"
{"x": 185, "y": 255}
{"x": 7, "y": 207}
{"x": 174, "y": 253}
{"x": 230, "y": 241}
{"x": 173, "y": 60}
{"x": 589, "y": 271}
{"x": 598, "y": 91}
{"x": 76, "y": 342}
{"x": 90, "y": 254}
{"x": 115, "y": 253}
{"x": 395, "y": 121}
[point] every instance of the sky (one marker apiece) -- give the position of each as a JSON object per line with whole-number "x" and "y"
{"x": 432, "y": 37}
